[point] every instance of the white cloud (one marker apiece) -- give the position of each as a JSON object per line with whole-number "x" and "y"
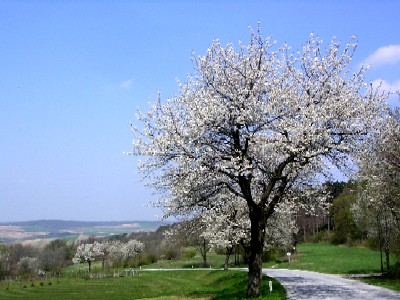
{"x": 127, "y": 84}
{"x": 384, "y": 56}
{"x": 391, "y": 87}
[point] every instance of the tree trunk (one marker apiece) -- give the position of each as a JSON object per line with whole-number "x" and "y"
{"x": 387, "y": 259}
{"x": 204, "y": 253}
{"x": 255, "y": 253}
{"x": 254, "y": 277}
{"x": 228, "y": 253}
{"x": 237, "y": 255}
{"x": 226, "y": 261}
{"x": 380, "y": 240}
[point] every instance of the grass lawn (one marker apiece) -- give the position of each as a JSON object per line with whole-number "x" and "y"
{"x": 327, "y": 258}
{"x": 214, "y": 260}
{"x": 172, "y": 285}
{"x": 333, "y": 259}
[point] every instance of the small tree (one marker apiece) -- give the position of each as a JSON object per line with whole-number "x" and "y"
{"x": 131, "y": 250}
{"x": 380, "y": 190}
{"x": 258, "y": 124}
{"x": 54, "y": 256}
{"x": 345, "y": 229}
{"x": 5, "y": 260}
{"x": 226, "y": 227}
{"x": 27, "y": 265}
{"x": 188, "y": 233}
{"x": 115, "y": 253}
{"x": 103, "y": 249}
{"x": 174, "y": 240}
{"x": 87, "y": 253}
{"x": 227, "y": 230}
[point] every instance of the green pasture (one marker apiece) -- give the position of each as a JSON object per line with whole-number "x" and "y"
{"x": 333, "y": 259}
{"x": 214, "y": 260}
{"x": 319, "y": 257}
{"x": 172, "y": 285}
{"x": 197, "y": 284}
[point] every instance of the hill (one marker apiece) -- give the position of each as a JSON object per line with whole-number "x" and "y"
{"x": 11, "y": 232}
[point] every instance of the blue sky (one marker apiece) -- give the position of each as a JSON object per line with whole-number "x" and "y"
{"x": 72, "y": 74}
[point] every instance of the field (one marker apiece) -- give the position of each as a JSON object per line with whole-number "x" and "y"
{"x": 198, "y": 284}
{"x": 34, "y": 232}
{"x": 327, "y": 258}
{"x": 172, "y": 285}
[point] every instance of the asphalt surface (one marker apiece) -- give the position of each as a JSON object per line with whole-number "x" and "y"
{"x": 312, "y": 285}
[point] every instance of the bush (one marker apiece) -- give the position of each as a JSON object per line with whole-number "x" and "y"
{"x": 220, "y": 250}
{"x": 338, "y": 238}
{"x": 394, "y": 271}
{"x": 147, "y": 258}
{"x": 190, "y": 253}
{"x": 322, "y": 236}
{"x": 273, "y": 255}
{"x": 172, "y": 254}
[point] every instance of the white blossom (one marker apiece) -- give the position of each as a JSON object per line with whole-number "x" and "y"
{"x": 253, "y": 128}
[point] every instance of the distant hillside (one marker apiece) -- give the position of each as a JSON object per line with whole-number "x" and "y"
{"x": 11, "y": 232}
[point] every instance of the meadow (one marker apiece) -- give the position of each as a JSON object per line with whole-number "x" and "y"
{"x": 333, "y": 259}
{"x": 198, "y": 284}
{"x": 170, "y": 285}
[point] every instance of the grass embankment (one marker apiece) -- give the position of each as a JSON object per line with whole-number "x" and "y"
{"x": 389, "y": 283}
{"x": 171, "y": 285}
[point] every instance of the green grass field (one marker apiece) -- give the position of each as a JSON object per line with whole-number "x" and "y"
{"x": 327, "y": 258}
{"x": 214, "y": 260}
{"x": 172, "y": 285}
{"x": 389, "y": 283}
{"x": 199, "y": 284}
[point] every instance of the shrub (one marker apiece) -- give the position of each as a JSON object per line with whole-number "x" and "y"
{"x": 321, "y": 236}
{"x": 273, "y": 255}
{"x": 190, "y": 253}
{"x": 147, "y": 258}
{"x": 172, "y": 254}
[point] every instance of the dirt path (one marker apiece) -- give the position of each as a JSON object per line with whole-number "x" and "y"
{"x": 312, "y": 285}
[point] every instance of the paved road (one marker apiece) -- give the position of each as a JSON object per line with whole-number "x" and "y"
{"x": 311, "y": 285}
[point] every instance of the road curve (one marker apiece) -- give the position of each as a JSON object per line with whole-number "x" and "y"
{"x": 312, "y": 285}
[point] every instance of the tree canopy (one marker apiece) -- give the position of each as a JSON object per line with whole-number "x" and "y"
{"x": 258, "y": 125}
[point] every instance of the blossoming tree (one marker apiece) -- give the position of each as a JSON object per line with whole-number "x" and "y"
{"x": 131, "y": 249}
{"x": 88, "y": 253}
{"x": 115, "y": 250}
{"x": 378, "y": 205}
{"x": 229, "y": 226}
{"x": 257, "y": 125}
